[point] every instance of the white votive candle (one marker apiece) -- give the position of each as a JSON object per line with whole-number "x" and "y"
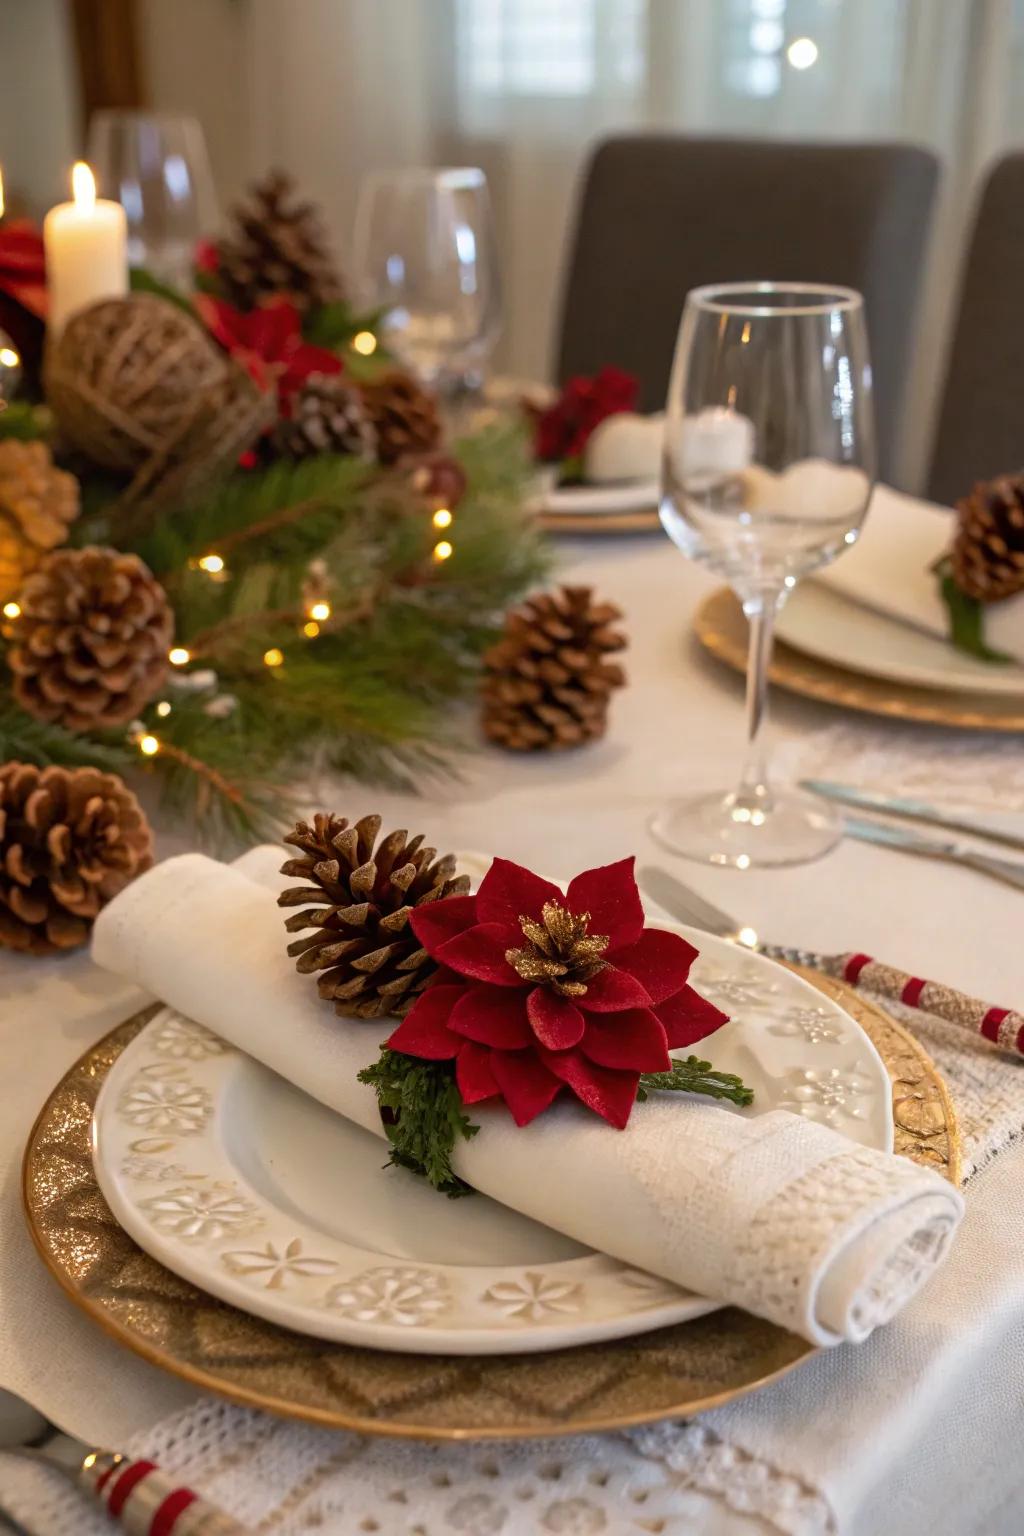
{"x": 86, "y": 245}
{"x": 716, "y": 440}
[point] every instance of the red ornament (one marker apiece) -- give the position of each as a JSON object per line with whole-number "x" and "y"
{"x": 439, "y": 478}
{"x": 540, "y": 991}
{"x": 562, "y": 431}
{"x": 267, "y": 342}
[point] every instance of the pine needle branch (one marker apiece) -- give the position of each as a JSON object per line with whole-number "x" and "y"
{"x": 424, "y": 1116}
{"x": 695, "y": 1076}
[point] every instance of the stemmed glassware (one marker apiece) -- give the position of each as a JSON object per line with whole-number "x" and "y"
{"x": 769, "y": 461}
{"x": 424, "y": 252}
{"x": 156, "y": 166}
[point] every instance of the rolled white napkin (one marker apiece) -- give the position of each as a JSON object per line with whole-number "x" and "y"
{"x": 771, "y": 1212}
{"x": 889, "y": 569}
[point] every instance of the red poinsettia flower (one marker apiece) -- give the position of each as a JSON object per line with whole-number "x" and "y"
{"x": 207, "y": 257}
{"x": 267, "y": 342}
{"x": 562, "y": 431}
{"x": 540, "y": 991}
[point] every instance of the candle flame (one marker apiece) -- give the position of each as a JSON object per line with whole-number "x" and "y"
{"x": 83, "y": 186}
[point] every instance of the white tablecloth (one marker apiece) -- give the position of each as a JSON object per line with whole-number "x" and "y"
{"x": 885, "y": 1463}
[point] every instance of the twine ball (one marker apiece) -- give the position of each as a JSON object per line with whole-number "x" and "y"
{"x": 126, "y": 377}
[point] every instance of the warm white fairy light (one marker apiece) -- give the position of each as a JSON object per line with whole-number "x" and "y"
{"x": 149, "y": 746}
{"x": 365, "y": 343}
{"x": 311, "y": 629}
{"x": 320, "y": 612}
{"x": 178, "y": 656}
{"x": 442, "y": 518}
{"x": 273, "y": 657}
{"x": 163, "y": 709}
{"x": 443, "y": 550}
{"x": 12, "y": 610}
{"x": 212, "y": 564}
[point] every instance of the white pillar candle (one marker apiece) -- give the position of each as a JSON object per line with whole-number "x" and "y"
{"x": 86, "y": 251}
{"x": 717, "y": 441}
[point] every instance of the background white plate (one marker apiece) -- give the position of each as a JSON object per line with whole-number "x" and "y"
{"x": 592, "y": 500}
{"x": 825, "y": 624}
{"x": 237, "y": 1181}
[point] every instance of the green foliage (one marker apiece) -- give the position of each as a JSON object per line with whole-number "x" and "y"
{"x": 334, "y": 325}
{"x": 695, "y": 1076}
{"x": 26, "y": 421}
{"x": 25, "y": 740}
{"x": 966, "y": 620}
{"x": 424, "y": 1116}
{"x": 141, "y": 281}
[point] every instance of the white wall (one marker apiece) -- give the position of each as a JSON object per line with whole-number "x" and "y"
{"x": 39, "y": 133}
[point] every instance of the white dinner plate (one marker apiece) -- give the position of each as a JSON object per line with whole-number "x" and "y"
{"x": 242, "y": 1184}
{"x": 593, "y": 500}
{"x": 832, "y": 627}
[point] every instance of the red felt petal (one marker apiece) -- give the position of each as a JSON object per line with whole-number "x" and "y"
{"x": 438, "y": 921}
{"x": 473, "y": 1073}
{"x": 524, "y": 1082}
{"x": 610, "y": 896}
{"x": 608, "y": 1093}
{"x": 659, "y": 960}
{"x": 493, "y": 1016}
{"x": 480, "y": 953}
{"x": 634, "y": 1040}
{"x": 424, "y": 1030}
{"x": 611, "y": 990}
{"x": 508, "y": 892}
{"x": 555, "y": 1021}
{"x": 688, "y": 1017}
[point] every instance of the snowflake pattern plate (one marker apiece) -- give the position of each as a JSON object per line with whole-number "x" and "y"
{"x": 264, "y": 1198}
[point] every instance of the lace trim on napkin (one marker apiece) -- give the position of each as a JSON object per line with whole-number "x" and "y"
{"x": 290, "y": 1479}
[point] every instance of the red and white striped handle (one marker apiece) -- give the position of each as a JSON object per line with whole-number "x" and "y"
{"x": 149, "y": 1503}
{"x": 1003, "y": 1026}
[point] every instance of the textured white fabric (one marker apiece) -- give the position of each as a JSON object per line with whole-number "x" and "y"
{"x": 772, "y": 1212}
{"x": 890, "y": 569}
{"x": 955, "y": 1467}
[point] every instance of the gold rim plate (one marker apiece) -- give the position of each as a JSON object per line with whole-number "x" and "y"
{"x": 644, "y": 520}
{"x": 674, "y": 1372}
{"x": 721, "y": 628}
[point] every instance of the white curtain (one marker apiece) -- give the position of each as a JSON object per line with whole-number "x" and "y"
{"x": 332, "y": 88}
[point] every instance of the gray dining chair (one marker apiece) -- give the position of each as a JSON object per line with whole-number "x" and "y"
{"x": 661, "y": 214}
{"x": 980, "y": 430}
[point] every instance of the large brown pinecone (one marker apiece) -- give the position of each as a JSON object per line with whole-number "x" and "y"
{"x": 404, "y": 416}
{"x": 988, "y": 550}
{"x": 548, "y": 680}
{"x": 327, "y": 415}
{"x": 38, "y": 504}
{"x": 371, "y": 962}
{"x": 90, "y": 645}
{"x": 277, "y": 245}
{"x": 70, "y": 840}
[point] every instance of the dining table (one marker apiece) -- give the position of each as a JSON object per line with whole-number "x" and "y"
{"x": 917, "y": 1429}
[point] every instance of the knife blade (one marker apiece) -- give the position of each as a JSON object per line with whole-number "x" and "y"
{"x": 913, "y": 810}
{"x": 1007, "y": 870}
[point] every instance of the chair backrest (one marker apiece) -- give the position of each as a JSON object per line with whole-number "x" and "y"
{"x": 660, "y": 215}
{"x": 980, "y": 431}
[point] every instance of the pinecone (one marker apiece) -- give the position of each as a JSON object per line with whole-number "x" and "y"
{"x": 370, "y": 960}
{"x": 403, "y": 414}
{"x": 988, "y": 550}
{"x": 277, "y": 246}
{"x": 90, "y": 645}
{"x": 70, "y": 840}
{"x": 327, "y": 416}
{"x": 38, "y": 503}
{"x": 547, "y": 681}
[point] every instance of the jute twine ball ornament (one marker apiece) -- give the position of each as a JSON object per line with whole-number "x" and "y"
{"x": 125, "y": 375}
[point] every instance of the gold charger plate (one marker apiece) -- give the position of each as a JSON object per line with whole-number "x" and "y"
{"x": 673, "y": 1372}
{"x": 643, "y": 520}
{"x": 721, "y": 628}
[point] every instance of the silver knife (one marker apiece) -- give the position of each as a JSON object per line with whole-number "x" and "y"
{"x": 913, "y": 810}
{"x": 686, "y": 906}
{"x": 1008, "y": 870}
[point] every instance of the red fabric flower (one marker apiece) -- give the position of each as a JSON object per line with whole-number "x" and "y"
{"x": 267, "y": 342}
{"x": 540, "y": 991}
{"x": 207, "y": 258}
{"x": 561, "y": 432}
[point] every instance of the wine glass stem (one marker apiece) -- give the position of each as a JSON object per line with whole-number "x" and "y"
{"x": 754, "y": 793}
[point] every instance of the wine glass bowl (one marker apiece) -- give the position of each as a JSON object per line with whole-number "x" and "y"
{"x": 768, "y": 466}
{"x": 424, "y": 253}
{"x": 156, "y": 166}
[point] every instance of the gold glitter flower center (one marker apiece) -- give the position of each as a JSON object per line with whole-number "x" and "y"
{"x": 560, "y": 953}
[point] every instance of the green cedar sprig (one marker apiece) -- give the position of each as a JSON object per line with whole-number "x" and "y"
{"x": 424, "y": 1115}
{"x": 966, "y": 619}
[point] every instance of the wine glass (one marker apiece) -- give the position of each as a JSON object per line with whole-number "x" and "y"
{"x": 424, "y": 252}
{"x": 156, "y": 166}
{"x": 768, "y": 464}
